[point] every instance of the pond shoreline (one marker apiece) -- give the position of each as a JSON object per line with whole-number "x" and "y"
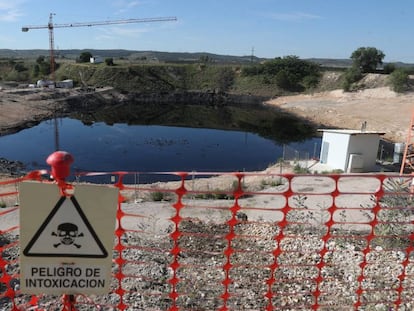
{"x": 25, "y": 108}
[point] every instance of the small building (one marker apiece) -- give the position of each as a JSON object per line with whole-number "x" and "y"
{"x": 96, "y": 60}
{"x": 352, "y": 151}
{"x": 45, "y": 83}
{"x": 65, "y": 84}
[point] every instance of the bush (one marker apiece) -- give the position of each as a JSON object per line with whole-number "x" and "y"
{"x": 351, "y": 76}
{"x": 389, "y": 68}
{"x": 297, "y": 169}
{"x": 399, "y": 80}
{"x": 109, "y": 61}
{"x": 290, "y": 73}
{"x": 157, "y": 196}
{"x": 271, "y": 183}
{"x": 310, "y": 82}
{"x": 19, "y": 67}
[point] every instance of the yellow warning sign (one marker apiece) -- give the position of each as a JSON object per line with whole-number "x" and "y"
{"x": 66, "y": 241}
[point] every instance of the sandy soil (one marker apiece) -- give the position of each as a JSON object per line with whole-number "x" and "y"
{"x": 382, "y": 109}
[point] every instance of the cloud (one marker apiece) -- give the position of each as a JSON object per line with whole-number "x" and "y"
{"x": 293, "y": 17}
{"x": 125, "y": 6}
{"x": 132, "y": 4}
{"x": 10, "y": 10}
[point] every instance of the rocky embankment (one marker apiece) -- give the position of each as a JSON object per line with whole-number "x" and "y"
{"x": 100, "y": 98}
{"x": 10, "y": 167}
{"x": 20, "y": 109}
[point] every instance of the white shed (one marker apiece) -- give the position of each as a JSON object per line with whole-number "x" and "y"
{"x": 66, "y": 84}
{"x": 96, "y": 60}
{"x": 45, "y": 83}
{"x": 353, "y": 151}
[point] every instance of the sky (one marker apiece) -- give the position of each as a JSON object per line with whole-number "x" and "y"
{"x": 265, "y": 28}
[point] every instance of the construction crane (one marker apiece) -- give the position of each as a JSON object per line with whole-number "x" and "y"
{"x": 52, "y": 26}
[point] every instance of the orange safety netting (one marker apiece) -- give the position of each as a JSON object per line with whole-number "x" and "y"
{"x": 241, "y": 241}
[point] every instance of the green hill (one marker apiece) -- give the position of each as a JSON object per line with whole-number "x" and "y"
{"x": 155, "y": 72}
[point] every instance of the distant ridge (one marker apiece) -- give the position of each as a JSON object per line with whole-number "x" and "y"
{"x": 183, "y": 57}
{"x": 131, "y": 54}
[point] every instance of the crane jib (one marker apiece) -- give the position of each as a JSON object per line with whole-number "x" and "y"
{"x": 100, "y": 23}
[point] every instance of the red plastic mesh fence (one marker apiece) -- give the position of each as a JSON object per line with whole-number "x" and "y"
{"x": 242, "y": 241}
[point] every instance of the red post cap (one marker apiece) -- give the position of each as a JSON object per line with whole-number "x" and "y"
{"x": 60, "y": 162}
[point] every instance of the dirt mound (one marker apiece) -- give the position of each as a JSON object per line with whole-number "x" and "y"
{"x": 332, "y": 80}
{"x": 374, "y": 80}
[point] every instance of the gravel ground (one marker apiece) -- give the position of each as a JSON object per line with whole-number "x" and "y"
{"x": 201, "y": 275}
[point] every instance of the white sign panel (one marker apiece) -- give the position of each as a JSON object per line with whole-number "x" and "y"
{"x": 66, "y": 241}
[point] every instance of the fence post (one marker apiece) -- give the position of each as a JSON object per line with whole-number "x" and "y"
{"x": 60, "y": 162}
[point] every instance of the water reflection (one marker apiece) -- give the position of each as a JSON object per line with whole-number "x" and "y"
{"x": 140, "y": 135}
{"x": 256, "y": 118}
{"x": 143, "y": 148}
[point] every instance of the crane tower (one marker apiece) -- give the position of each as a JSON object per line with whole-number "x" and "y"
{"x": 52, "y": 26}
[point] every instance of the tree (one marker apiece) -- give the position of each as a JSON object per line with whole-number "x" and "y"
{"x": 40, "y": 59}
{"x": 367, "y": 58}
{"x": 42, "y": 67}
{"x": 85, "y": 57}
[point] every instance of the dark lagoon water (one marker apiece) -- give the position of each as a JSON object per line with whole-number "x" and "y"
{"x": 142, "y": 148}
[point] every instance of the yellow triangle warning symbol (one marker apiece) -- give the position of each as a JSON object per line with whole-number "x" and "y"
{"x": 66, "y": 232}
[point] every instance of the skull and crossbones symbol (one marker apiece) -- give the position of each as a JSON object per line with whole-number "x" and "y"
{"x": 67, "y": 233}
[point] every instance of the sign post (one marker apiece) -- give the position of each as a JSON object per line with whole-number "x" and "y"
{"x": 66, "y": 239}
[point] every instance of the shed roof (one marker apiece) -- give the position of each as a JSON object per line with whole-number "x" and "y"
{"x": 351, "y": 132}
